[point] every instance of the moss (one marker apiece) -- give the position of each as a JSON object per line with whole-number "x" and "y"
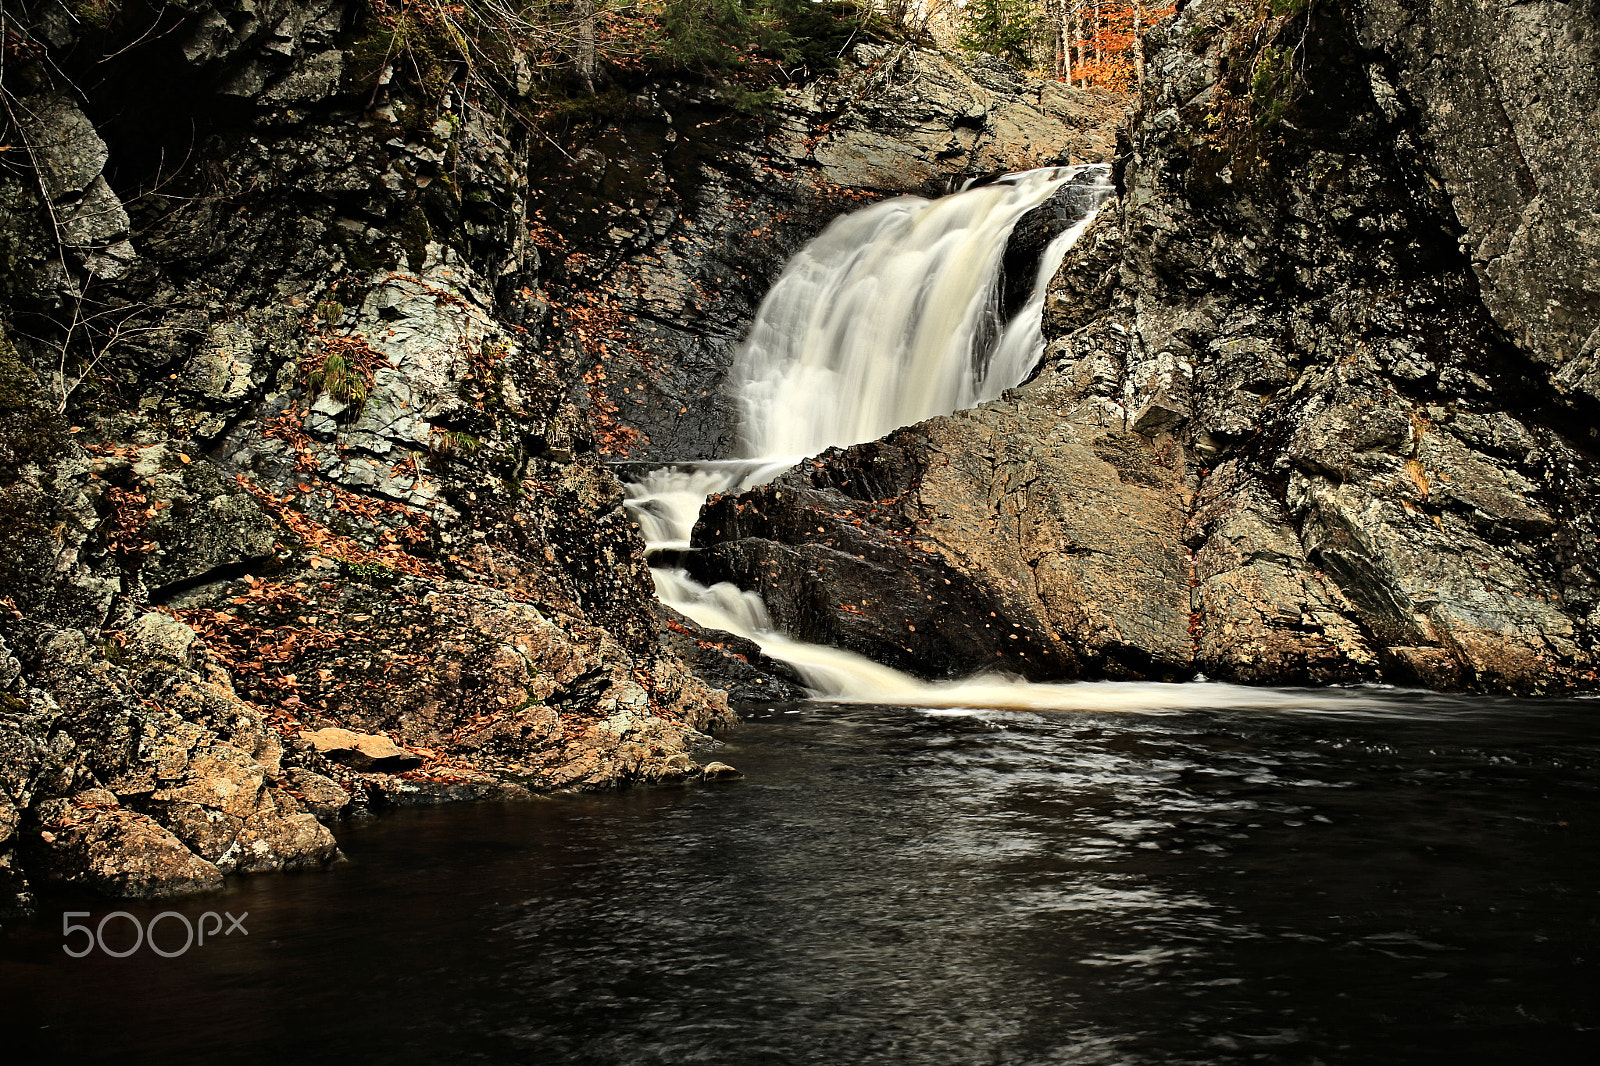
{"x": 1272, "y": 85}
{"x": 413, "y": 233}
{"x": 98, "y": 13}
{"x": 604, "y": 108}
{"x": 1262, "y": 54}
{"x": 374, "y": 257}
{"x": 30, "y": 429}
{"x": 330, "y": 311}
{"x": 338, "y": 379}
{"x": 374, "y": 574}
{"x": 444, "y": 444}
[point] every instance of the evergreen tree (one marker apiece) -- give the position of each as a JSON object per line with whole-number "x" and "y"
{"x": 1001, "y": 28}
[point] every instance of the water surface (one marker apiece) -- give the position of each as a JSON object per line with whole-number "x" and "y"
{"x": 1390, "y": 879}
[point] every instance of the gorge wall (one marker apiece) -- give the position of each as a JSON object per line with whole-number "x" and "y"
{"x": 1317, "y": 401}
{"x": 310, "y": 375}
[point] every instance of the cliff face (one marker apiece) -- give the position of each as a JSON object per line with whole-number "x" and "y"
{"x": 309, "y": 379}
{"x": 1504, "y": 99}
{"x": 286, "y": 453}
{"x": 1314, "y": 405}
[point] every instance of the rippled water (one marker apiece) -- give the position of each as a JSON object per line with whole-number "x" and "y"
{"x": 1395, "y": 879}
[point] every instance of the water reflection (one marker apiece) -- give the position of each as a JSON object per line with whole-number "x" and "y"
{"x": 1411, "y": 881}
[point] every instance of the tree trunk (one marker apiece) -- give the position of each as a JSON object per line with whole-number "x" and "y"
{"x": 585, "y": 57}
{"x": 1053, "y": 15}
{"x": 1074, "y": 41}
{"x": 1095, "y": 29}
{"x": 1138, "y": 44}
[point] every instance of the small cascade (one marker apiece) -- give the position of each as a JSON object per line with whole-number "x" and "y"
{"x": 890, "y": 316}
{"x": 1023, "y": 340}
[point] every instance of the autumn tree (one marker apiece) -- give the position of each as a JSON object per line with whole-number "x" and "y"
{"x": 1086, "y": 42}
{"x": 1097, "y": 42}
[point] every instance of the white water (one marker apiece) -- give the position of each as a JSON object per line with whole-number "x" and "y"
{"x": 889, "y": 317}
{"x": 844, "y": 677}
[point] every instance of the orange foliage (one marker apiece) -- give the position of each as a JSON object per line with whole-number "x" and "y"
{"x": 1099, "y": 40}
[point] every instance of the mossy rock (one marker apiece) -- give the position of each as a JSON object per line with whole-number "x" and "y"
{"x": 31, "y": 431}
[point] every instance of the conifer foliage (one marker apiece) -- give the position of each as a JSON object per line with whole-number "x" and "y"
{"x": 1004, "y": 28}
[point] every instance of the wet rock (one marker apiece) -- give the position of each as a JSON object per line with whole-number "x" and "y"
{"x": 719, "y": 771}
{"x": 332, "y": 437}
{"x": 1262, "y": 610}
{"x": 676, "y": 769}
{"x": 1001, "y": 538}
{"x": 385, "y": 791}
{"x": 732, "y": 663}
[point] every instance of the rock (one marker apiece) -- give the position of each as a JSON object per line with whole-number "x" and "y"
{"x": 91, "y": 842}
{"x": 1002, "y": 538}
{"x": 719, "y": 771}
{"x": 362, "y": 751}
{"x": 326, "y": 799}
{"x": 155, "y": 636}
{"x": 675, "y": 769}
{"x": 278, "y": 835}
{"x": 394, "y": 792}
{"x": 731, "y": 662}
{"x": 87, "y": 216}
{"x": 904, "y": 113}
{"x": 1509, "y": 154}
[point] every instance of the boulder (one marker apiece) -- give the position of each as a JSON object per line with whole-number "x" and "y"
{"x": 361, "y": 751}
{"x": 91, "y": 841}
{"x": 326, "y": 799}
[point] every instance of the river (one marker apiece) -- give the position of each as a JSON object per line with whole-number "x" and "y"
{"x": 1372, "y": 877}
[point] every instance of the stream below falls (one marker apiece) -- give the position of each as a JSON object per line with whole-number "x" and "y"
{"x": 1368, "y": 877}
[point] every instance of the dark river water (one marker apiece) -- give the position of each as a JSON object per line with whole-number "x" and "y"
{"x": 1403, "y": 880}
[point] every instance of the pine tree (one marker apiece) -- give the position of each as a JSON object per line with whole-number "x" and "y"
{"x": 1002, "y": 28}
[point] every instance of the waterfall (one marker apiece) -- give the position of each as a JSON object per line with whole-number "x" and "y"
{"x": 890, "y": 316}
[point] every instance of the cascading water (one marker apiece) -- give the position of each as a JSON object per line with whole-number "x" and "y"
{"x": 889, "y": 317}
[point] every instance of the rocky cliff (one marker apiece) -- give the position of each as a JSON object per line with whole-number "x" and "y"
{"x": 1316, "y": 404}
{"x": 310, "y": 374}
